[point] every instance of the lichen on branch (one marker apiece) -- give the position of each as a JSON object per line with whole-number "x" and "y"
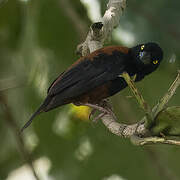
{"x": 99, "y": 32}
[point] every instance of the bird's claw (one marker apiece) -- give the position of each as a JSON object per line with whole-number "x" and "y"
{"x": 98, "y": 117}
{"x": 104, "y": 107}
{"x": 92, "y": 113}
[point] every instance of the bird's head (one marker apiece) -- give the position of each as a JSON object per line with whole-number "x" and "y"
{"x": 147, "y": 55}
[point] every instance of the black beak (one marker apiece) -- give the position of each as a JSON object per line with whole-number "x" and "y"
{"x": 145, "y": 57}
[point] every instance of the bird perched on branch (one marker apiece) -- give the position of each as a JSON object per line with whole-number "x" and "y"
{"x": 97, "y": 76}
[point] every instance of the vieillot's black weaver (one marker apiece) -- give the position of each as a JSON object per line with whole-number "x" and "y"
{"x": 97, "y": 76}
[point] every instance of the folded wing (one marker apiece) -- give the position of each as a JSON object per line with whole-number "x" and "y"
{"x": 87, "y": 75}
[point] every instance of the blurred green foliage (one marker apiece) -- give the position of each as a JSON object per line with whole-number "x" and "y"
{"x": 167, "y": 122}
{"x": 38, "y": 41}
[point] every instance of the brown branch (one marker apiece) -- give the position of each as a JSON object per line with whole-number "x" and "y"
{"x": 13, "y": 125}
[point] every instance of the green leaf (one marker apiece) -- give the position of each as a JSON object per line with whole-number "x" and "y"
{"x": 167, "y": 122}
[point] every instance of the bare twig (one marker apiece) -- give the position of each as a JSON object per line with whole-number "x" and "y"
{"x": 139, "y": 98}
{"x": 12, "y": 123}
{"x": 165, "y": 99}
{"x": 153, "y": 140}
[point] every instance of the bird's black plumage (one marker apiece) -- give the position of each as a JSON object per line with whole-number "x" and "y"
{"x": 97, "y": 76}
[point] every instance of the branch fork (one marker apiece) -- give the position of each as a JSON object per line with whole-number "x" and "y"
{"x": 139, "y": 133}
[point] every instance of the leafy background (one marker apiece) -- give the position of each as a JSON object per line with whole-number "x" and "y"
{"x": 38, "y": 39}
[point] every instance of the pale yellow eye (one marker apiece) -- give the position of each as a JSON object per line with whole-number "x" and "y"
{"x": 155, "y": 61}
{"x": 142, "y": 47}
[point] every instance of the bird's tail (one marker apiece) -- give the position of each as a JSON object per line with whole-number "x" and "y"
{"x": 40, "y": 109}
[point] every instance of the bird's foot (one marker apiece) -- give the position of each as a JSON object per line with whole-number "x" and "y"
{"x": 96, "y": 107}
{"x": 105, "y": 104}
{"x": 104, "y": 107}
{"x": 93, "y": 111}
{"x": 95, "y": 120}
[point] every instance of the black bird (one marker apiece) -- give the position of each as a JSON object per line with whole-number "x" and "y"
{"x": 97, "y": 76}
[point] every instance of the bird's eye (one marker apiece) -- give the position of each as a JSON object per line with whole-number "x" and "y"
{"x": 155, "y": 61}
{"x": 142, "y": 47}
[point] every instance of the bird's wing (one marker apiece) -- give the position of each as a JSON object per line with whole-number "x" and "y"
{"x": 88, "y": 74}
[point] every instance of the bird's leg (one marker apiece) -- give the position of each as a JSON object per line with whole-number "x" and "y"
{"x": 105, "y": 104}
{"x": 96, "y": 107}
{"x": 93, "y": 106}
{"x": 104, "y": 107}
{"x": 93, "y": 111}
{"x": 98, "y": 117}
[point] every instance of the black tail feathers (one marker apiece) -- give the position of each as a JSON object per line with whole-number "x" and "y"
{"x": 40, "y": 109}
{"x": 30, "y": 120}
